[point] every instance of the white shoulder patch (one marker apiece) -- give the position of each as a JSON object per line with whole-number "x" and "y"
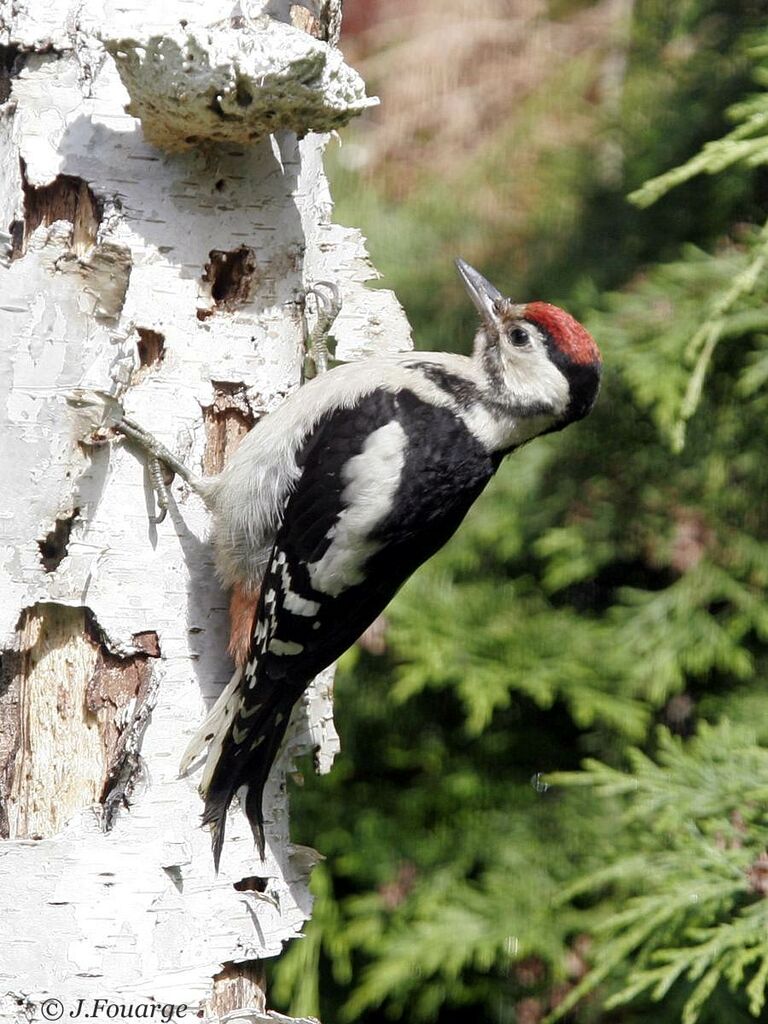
{"x": 371, "y": 479}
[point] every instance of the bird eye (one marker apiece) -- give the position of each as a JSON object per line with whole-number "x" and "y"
{"x": 519, "y": 336}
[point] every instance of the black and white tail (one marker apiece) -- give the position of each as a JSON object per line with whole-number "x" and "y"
{"x": 243, "y": 742}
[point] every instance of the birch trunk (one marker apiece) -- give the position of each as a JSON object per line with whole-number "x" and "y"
{"x": 167, "y": 275}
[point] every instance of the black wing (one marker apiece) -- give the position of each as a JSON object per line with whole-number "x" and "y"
{"x": 326, "y": 583}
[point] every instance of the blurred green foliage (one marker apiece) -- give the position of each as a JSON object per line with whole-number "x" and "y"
{"x": 605, "y": 600}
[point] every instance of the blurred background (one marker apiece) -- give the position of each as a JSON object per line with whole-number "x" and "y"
{"x": 552, "y": 797}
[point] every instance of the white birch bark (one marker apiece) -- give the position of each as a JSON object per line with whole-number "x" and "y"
{"x": 114, "y": 629}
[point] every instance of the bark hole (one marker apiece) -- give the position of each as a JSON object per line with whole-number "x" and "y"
{"x": 66, "y": 198}
{"x": 16, "y": 231}
{"x": 12, "y": 60}
{"x": 251, "y": 884}
{"x": 151, "y": 350}
{"x": 216, "y": 107}
{"x": 55, "y": 545}
{"x": 227, "y": 420}
{"x": 173, "y": 871}
{"x": 243, "y": 95}
{"x": 231, "y": 275}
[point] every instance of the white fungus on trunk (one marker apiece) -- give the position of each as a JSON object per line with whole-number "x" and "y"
{"x": 171, "y": 281}
{"x": 235, "y": 82}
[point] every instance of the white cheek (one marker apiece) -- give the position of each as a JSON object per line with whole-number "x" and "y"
{"x": 533, "y": 379}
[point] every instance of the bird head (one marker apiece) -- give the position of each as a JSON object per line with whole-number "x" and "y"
{"x": 536, "y": 358}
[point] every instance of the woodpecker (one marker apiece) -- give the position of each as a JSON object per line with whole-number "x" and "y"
{"x": 333, "y": 500}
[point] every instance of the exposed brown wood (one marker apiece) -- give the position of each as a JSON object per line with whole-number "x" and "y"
{"x": 227, "y": 420}
{"x": 66, "y": 198}
{"x": 319, "y": 18}
{"x": 148, "y": 642}
{"x": 304, "y": 19}
{"x": 10, "y": 728}
{"x": 237, "y": 986}
{"x": 59, "y": 763}
{"x": 67, "y": 707}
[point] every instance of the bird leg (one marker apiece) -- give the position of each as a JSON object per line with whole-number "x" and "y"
{"x": 162, "y": 464}
{"x": 328, "y": 299}
{"x": 157, "y": 451}
{"x": 102, "y": 410}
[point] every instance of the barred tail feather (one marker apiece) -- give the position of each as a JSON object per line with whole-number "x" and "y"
{"x": 244, "y": 756}
{"x": 211, "y": 733}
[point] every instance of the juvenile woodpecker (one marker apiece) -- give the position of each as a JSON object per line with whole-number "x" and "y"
{"x": 332, "y": 501}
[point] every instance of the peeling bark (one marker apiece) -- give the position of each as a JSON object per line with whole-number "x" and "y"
{"x": 120, "y": 694}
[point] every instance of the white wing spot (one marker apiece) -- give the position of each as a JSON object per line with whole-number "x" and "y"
{"x": 238, "y": 735}
{"x": 284, "y": 647}
{"x": 257, "y": 743}
{"x": 298, "y": 605}
{"x": 251, "y": 711}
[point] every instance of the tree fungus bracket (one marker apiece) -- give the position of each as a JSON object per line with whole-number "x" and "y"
{"x": 197, "y": 85}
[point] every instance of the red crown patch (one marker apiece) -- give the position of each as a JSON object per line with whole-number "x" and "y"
{"x": 569, "y": 336}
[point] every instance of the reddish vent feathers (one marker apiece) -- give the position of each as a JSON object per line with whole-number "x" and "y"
{"x": 567, "y": 333}
{"x": 242, "y": 618}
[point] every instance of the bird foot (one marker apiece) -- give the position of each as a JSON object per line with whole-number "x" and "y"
{"x": 103, "y": 411}
{"x": 328, "y": 301}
